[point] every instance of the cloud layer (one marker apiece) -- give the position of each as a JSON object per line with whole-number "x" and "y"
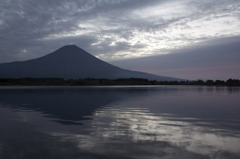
{"x": 218, "y": 59}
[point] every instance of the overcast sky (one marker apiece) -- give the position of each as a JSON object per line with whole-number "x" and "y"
{"x": 147, "y": 35}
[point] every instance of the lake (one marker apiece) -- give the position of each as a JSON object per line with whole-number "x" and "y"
{"x": 120, "y": 122}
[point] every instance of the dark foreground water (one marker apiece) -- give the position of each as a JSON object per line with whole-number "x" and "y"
{"x": 164, "y": 122}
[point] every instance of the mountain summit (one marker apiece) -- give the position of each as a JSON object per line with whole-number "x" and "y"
{"x": 70, "y": 62}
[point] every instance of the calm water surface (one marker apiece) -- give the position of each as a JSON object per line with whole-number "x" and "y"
{"x": 142, "y": 122}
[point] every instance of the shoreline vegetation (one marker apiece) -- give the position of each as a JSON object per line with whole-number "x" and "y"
{"x": 109, "y": 82}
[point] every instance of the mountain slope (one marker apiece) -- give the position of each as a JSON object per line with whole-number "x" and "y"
{"x": 70, "y": 62}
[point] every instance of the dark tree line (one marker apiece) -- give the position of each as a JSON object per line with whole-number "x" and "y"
{"x": 95, "y": 82}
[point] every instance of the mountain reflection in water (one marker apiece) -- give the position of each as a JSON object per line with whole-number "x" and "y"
{"x": 120, "y": 122}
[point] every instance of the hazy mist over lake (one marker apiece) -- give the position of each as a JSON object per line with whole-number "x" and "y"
{"x": 120, "y": 122}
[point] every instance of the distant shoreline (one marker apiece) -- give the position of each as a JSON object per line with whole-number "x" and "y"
{"x": 108, "y": 82}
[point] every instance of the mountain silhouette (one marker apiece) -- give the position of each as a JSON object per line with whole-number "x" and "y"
{"x": 70, "y": 62}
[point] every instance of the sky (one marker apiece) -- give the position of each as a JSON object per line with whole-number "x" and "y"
{"x": 188, "y": 39}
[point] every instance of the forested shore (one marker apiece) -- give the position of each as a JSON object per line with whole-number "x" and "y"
{"x": 106, "y": 82}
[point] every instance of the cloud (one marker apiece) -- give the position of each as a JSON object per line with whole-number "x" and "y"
{"x": 111, "y": 30}
{"x": 215, "y": 59}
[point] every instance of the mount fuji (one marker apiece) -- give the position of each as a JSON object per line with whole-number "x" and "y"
{"x": 71, "y": 62}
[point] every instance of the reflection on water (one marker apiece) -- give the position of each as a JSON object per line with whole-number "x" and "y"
{"x": 120, "y": 122}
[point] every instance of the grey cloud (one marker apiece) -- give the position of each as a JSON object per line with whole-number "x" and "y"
{"x": 24, "y": 22}
{"x": 108, "y": 5}
{"x": 109, "y": 51}
{"x": 213, "y": 59}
